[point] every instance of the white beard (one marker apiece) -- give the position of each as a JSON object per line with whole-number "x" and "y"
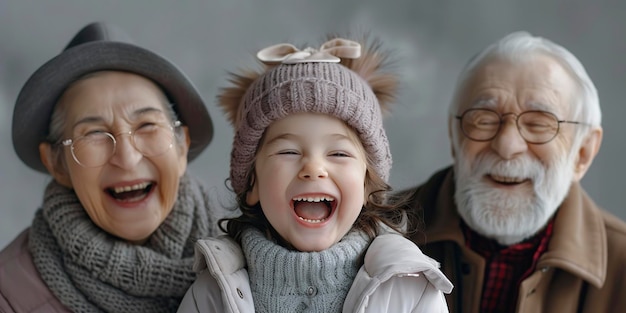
{"x": 510, "y": 216}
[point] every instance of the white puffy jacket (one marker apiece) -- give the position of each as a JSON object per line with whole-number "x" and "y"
{"x": 395, "y": 277}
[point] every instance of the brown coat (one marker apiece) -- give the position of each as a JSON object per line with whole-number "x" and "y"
{"x": 583, "y": 270}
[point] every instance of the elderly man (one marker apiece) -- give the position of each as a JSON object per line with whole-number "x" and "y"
{"x": 510, "y": 223}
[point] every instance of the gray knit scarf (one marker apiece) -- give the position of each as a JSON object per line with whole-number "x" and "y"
{"x": 89, "y": 270}
{"x": 283, "y": 280}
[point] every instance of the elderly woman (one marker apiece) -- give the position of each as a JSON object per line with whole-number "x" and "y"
{"x": 115, "y": 126}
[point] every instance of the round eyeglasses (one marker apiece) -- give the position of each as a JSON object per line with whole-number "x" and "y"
{"x": 96, "y": 148}
{"x": 536, "y": 127}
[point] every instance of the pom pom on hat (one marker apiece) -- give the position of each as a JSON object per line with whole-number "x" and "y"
{"x": 340, "y": 79}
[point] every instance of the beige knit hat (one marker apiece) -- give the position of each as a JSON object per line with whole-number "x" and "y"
{"x": 337, "y": 80}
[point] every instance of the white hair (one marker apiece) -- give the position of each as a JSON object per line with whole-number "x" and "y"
{"x": 518, "y": 47}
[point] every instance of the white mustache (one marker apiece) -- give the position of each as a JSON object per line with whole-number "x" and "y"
{"x": 517, "y": 169}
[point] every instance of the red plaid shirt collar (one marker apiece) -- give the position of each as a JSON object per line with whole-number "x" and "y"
{"x": 506, "y": 266}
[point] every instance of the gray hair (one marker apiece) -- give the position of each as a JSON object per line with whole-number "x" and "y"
{"x": 522, "y": 45}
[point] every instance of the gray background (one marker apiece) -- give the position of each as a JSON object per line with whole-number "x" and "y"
{"x": 432, "y": 40}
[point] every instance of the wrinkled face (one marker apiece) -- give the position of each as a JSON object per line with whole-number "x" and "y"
{"x": 130, "y": 195}
{"x": 310, "y": 179}
{"x": 507, "y": 189}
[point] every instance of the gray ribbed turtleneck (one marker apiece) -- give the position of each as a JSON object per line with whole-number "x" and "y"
{"x": 284, "y": 280}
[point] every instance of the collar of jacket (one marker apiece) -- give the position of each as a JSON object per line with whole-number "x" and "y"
{"x": 578, "y": 244}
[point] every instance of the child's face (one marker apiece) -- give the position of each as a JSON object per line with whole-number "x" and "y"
{"x": 310, "y": 179}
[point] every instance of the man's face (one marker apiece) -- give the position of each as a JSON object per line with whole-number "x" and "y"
{"x": 506, "y": 188}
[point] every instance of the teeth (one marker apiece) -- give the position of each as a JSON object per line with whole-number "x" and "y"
{"x": 314, "y": 199}
{"x": 310, "y": 220}
{"x": 130, "y": 188}
{"x": 506, "y": 179}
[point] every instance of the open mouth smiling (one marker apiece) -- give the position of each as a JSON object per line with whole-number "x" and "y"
{"x": 314, "y": 209}
{"x": 506, "y": 180}
{"x": 132, "y": 193}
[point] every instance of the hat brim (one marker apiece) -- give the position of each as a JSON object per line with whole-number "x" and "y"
{"x": 36, "y": 100}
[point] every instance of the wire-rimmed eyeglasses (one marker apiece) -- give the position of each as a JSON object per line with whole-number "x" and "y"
{"x": 96, "y": 148}
{"x": 536, "y": 127}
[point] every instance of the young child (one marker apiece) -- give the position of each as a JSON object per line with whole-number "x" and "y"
{"x": 309, "y": 165}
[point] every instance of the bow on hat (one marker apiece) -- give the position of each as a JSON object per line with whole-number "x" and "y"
{"x": 331, "y": 51}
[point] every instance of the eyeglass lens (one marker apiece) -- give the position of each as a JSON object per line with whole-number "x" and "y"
{"x": 534, "y": 126}
{"x": 97, "y": 148}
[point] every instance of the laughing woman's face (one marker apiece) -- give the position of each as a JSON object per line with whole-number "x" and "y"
{"x": 131, "y": 194}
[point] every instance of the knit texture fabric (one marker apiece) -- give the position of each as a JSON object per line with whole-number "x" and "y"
{"x": 328, "y": 88}
{"x": 89, "y": 270}
{"x": 290, "y": 281}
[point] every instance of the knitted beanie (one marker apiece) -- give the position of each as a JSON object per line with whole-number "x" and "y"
{"x": 309, "y": 81}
